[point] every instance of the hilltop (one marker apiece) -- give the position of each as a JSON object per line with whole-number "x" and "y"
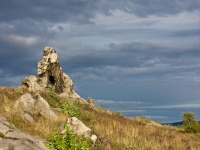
{"x": 113, "y": 131}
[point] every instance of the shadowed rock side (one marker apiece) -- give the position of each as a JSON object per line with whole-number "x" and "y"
{"x": 50, "y": 75}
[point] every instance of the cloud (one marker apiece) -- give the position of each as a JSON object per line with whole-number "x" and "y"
{"x": 185, "y": 33}
{"x": 130, "y": 111}
{"x": 87, "y": 33}
{"x": 52, "y": 11}
{"x": 133, "y": 60}
{"x": 11, "y": 81}
{"x": 82, "y": 11}
{"x": 193, "y": 104}
{"x": 122, "y": 106}
{"x": 157, "y": 117}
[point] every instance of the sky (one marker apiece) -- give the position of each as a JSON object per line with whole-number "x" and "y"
{"x": 136, "y": 57}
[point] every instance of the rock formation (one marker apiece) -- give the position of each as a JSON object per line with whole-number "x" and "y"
{"x": 90, "y": 100}
{"x": 13, "y": 139}
{"x": 33, "y": 83}
{"x": 79, "y": 128}
{"x": 28, "y": 105}
{"x": 50, "y": 75}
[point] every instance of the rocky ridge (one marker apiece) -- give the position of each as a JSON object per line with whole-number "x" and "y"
{"x": 50, "y": 76}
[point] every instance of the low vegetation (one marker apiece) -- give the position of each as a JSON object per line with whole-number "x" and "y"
{"x": 190, "y": 124}
{"x": 114, "y": 131}
{"x": 68, "y": 141}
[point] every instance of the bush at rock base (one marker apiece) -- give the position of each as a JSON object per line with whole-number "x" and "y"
{"x": 69, "y": 141}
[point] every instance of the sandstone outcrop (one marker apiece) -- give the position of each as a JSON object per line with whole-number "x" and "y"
{"x": 13, "y": 139}
{"x": 79, "y": 128}
{"x": 28, "y": 105}
{"x": 50, "y": 75}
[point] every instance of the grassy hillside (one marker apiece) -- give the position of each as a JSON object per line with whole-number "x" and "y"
{"x": 115, "y": 132}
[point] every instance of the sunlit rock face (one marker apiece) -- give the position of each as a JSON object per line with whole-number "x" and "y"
{"x": 50, "y": 75}
{"x": 34, "y": 105}
{"x": 14, "y": 139}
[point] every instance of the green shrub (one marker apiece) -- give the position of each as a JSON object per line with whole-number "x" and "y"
{"x": 68, "y": 141}
{"x": 192, "y": 128}
{"x": 190, "y": 124}
{"x": 52, "y": 98}
{"x": 71, "y": 110}
{"x": 188, "y": 118}
{"x": 55, "y": 101}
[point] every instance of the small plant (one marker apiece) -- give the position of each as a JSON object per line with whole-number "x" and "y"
{"x": 145, "y": 119}
{"x": 118, "y": 113}
{"x": 130, "y": 148}
{"x": 68, "y": 141}
{"x": 71, "y": 110}
{"x": 2, "y": 135}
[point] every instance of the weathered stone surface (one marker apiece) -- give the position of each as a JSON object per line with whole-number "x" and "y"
{"x": 33, "y": 83}
{"x": 5, "y": 125}
{"x": 50, "y": 75}
{"x": 79, "y": 128}
{"x": 28, "y": 105}
{"x": 27, "y": 117}
{"x": 14, "y": 139}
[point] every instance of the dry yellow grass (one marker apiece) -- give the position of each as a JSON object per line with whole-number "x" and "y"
{"x": 43, "y": 127}
{"x": 125, "y": 133}
{"x": 118, "y": 133}
{"x": 115, "y": 132}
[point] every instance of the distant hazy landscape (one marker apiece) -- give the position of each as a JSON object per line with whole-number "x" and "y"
{"x": 164, "y": 115}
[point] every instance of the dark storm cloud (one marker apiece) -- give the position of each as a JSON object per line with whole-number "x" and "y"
{"x": 132, "y": 54}
{"x": 155, "y": 7}
{"x": 134, "y": 60}
{"x": 21, "y": 47}
{"x": 53, "y": 11}
{"x": 185, "y": 33}
{"x": 82, "y": 11}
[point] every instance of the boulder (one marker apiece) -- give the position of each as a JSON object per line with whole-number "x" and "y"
{"x": 14, "y": 139}
{"x": 28, "y": 105}
{"x": 50, "y": 75}
{"x": 79, "y": 128}
{"x": 90, "y": 100}
{"x": 33, "y": 83}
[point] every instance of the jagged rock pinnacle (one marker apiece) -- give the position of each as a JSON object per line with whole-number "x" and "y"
{"x": 50, "y": 75}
